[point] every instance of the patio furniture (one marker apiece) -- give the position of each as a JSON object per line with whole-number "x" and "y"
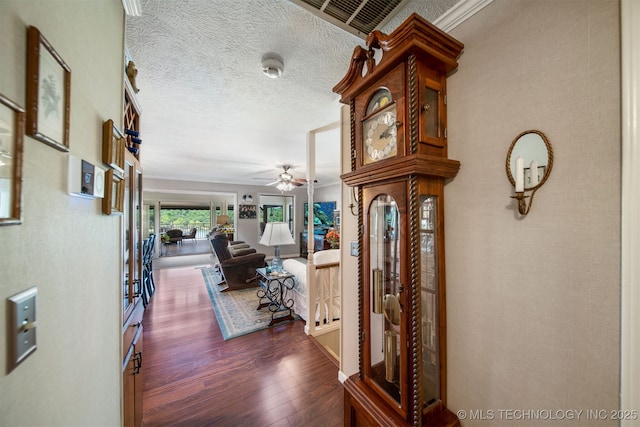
{"x": 191, "y": 235}
{"x": 175, "y": 236}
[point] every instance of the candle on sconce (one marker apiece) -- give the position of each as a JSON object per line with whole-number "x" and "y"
{"x": 534, "y": 173}
{"x": 519, "y": 175}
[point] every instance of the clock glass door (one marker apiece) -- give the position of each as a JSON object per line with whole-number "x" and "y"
{"x": 385, "y": 341}
{"x": 429, "y": 299}
{"x": 432, "y": 113}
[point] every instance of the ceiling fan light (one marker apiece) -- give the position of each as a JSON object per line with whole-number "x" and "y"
{"x": 286, "y": 176}
{"x": 284, "y": 186}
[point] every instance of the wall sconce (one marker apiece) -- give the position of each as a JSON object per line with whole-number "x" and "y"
{"x": 353, "y": 200}
{"x": 529, "y": 163}
{"x": 247, "y": 198}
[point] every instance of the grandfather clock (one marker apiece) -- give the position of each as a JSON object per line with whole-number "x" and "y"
{"x": 396, "y": 90}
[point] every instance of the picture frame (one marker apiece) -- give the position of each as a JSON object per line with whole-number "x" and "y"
{"x": 113, "y": 143}
{"x": 11, "y": 152}
{"x": 48, "y": 92}
{"x": 247, "y": 212}
{"x": 113, "y": 201}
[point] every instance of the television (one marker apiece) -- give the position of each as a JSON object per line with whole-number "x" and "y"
{"x": 322, "y": 214}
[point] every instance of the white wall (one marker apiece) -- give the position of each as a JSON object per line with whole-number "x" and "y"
{"x": 533, "y": 304}
{"x": 65, "y": 246}
{"x": 630, "y": 301}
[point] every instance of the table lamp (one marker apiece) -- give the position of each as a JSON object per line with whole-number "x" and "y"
{"x": 276, "y": 234}
{"x": 222, "y": 219}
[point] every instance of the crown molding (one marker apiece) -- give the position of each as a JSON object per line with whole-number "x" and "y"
{"x": 132, "y": 7}
{"x": 459, "y": 13}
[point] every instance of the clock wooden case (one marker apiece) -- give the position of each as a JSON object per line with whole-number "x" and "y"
{"x": 396, "y": 90}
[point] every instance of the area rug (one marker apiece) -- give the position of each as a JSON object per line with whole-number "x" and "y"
{"x": 236, "y": 310}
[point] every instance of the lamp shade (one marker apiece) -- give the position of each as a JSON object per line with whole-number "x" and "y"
{"x": 222, "y": 219}
{"x": 276, "y": 234}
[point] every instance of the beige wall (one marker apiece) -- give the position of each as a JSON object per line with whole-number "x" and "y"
{"x": 534, "y": 304}
{"x": 65, "y": 246}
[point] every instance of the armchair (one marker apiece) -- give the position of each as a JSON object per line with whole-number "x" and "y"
{"x": 238, "y": 271}
{"x": 191, "y": 235}
{"x": 175, "y": 236}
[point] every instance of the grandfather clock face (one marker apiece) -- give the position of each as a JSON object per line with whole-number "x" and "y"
{"x": 380, "y": 128}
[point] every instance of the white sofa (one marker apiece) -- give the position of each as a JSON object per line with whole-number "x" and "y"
{"x": 327, "y": 271}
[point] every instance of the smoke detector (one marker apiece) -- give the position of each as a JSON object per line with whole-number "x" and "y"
{"x": 272, "y": 67}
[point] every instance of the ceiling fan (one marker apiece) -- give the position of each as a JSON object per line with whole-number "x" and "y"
{"x": 286, "y": 181}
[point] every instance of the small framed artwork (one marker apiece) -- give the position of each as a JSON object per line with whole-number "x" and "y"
{"x": 48, "y": 92}
{"x": 247, "y": 212}
{"x": 11, "y": 149}
{"x": 113, "y": 144}
{"x": 113, "y": 200}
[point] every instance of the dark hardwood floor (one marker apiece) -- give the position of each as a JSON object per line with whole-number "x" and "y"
{"x": 192, "y": 377}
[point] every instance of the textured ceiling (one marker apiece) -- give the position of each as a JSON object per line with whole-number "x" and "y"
{"x": 208, "y": 112}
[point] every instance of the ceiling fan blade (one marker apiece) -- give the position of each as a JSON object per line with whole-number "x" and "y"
{"x": 302, "y": 181}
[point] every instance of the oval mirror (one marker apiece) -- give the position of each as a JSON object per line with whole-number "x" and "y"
{"x": 537, "y": 158}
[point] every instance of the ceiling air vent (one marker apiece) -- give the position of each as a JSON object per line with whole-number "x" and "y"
{"x": 359, "y": 17}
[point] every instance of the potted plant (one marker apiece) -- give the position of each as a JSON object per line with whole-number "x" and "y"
{"x": 333, "y": 237}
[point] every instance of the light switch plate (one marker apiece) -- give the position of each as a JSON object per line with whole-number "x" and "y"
{"x": 22, "y": 326}
{"x": 354, "y": 249}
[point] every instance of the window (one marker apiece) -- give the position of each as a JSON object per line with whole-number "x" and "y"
{"x": 276, "y": 209}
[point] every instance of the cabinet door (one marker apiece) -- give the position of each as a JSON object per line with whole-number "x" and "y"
{"x": 132, "y": 235}
{"x": 132, "y": 382}
{"x": 137, "y": 375}
{"x": 136, "y": 230}
{"x": 384, "y": 294}
{"x": 127, "y": 294}
{"x": 129, "y": 387}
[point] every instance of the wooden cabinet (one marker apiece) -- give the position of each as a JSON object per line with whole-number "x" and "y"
{"x": 132, "y": 282}
{"x": 399, "y": 165}
{"x": 131, "y": 120}
{"x": 131, "y": 368}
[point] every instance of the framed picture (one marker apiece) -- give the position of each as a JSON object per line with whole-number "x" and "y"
{"x": 113, "y": 143}
{"x": 48, "y": 92}
{"x": 247, "y": 212}
{"x": 11, "y": 131}
{"x": 113, "y": 201}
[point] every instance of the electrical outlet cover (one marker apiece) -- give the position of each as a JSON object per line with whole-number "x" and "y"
{"x": 22, "y": 326}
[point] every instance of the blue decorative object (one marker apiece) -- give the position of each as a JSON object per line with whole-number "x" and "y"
{"x": 136, "y": 140}
{"x": 132, "y": 132}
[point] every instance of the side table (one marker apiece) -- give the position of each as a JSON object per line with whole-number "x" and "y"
{"x": 273, "y": 291}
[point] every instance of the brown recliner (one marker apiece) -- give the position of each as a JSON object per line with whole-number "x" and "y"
{"x": 239, "y": 271}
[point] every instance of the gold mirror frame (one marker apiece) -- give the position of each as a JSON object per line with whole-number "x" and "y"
{"x": 523, "y": 208}
{"x": 548, "y": 167}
